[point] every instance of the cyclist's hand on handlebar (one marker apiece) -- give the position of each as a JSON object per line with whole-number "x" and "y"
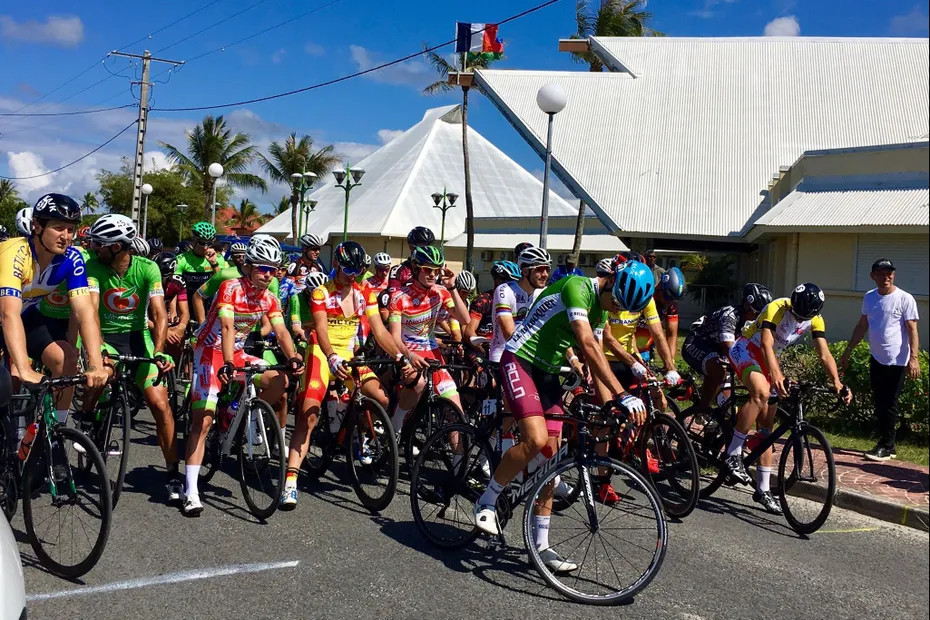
{"x": 96, "y": 377}
{"x": 634, "y": 406}
{"x": 408, "y": 373}
{"x": 164, "y": 363}
{"x": 296, "y": 365}
{"x": 780, "y": 384}
{"x": 32, "y": 377}
{"x": 672, "y": 378}
{"x": 639, "y": 371}
{"x": 418, "y": 362}
{"x": 337, "y": 366}
{"x": 225, "y": 373}
{"x": 845, "y": 394}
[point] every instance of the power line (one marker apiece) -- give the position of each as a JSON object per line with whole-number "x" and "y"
{"x": 166, "y": 26}
{"x": 74, "y": 113}
{"x": 211, "y": 26}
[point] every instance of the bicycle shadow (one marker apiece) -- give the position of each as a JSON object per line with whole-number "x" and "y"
{"x": 747, "y": 514}
{"x": 329, "y": 489}
{"x": 30, "y": 561}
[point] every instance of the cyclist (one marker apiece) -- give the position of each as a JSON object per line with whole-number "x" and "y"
{"x": 481, "y": 310}
{"x": 512, "y": 300}
{"x": 30, "y": 269}
{"x": 175, "y": 302}
{"x": 402, "y": 274}
{"x": 414, "y": 310}
{"x": 343, "y": 311}
{"x": 669, "y": 289}
{"x": 237, "y": 254}
{"x": 379, "y": 280}
{"x": 140, "y": 247}
{"x": 240, "y": 305}
{"x": 309, "y": 260}
{"x": 4, "y": 233}
{"x": 706, "y": 347}
{"x": 127, "y": 289}
{"x": 204, "y": 295}
{"x": 197, "y": 264}
{"x": 567, "y": 314}
{"x": 156, "y": 246}
{"x": 24, "y": 221}
{"x": 782, "y": 323}
{"x": 518, "y": 249}
{"x": 300, "y": 313}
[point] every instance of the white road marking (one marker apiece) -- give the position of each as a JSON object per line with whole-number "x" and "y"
{"x": 145, "y": 582}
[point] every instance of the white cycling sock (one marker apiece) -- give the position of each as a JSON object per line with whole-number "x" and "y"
{"x": 541, "y": 532}
{"x": 490, "y": 495}
{"x": 762, "y": 477}
{"x": 192, "y": 473}
{"x": 736, "y": 444}
{"x": 398, "y": 420}
{"x": 62, "y": 415}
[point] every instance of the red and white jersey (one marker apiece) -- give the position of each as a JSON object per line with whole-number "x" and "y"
{"x": 417, "y": 310}
{"x": 245, "y": 304}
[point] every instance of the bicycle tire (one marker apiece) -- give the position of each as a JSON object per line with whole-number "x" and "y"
{"x": 673, "y": 444}
{"x": 651, "y": 512}
{"x": 369, "y": 419}
{"x": 808, "y": 490}
{"x": 321, "y": 449}
{"x": 426, "y": 420}
{"x": 119, "y": 423}
{"x": 9, "y": 483}
{"x": 261, "y": 458}
{"x": 35, "y": 483}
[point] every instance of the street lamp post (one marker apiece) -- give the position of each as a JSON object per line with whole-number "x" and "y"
{"x": 307, "y": 210}
{"x": 551, "y": 99}
{"x": 216, "y": 171}
{"x": 180, "y": 208}
{"x": 444, "y": 201}
{"x": 146, "y": 190}
{"x": 343, "y": 181}
{"x": 302, "y": 182}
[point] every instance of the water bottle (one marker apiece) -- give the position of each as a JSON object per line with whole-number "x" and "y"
{"x": 26, "y": 445}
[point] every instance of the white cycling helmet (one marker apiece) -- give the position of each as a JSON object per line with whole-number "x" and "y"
{"x": 141, "y": 247}
{"x": 605, "y": 267}
{"x": 311, "y": 241}
{"x": 315, "y": 279}
{"x": 114, "y": 228}
{"x": 263, "y": 250}
{"x": 238, "y": 248}
{"x": 24, "y": 221}
{"x": 465, "y": 281}
{"x": 382, "y": 259}
{"x": 533, "y": 257}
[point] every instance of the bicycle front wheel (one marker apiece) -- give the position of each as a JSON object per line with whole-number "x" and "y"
{"x": 114, "y": 442}
{"x": 67, "y": 510}
{"x": 668, "y": 461}
{"x": 262, "y": 459}
{"x": 425, "y": 421}
{"x": 806, "y": 480}
{"x": 616, "y": 549}
{"x": 371, "y": 452}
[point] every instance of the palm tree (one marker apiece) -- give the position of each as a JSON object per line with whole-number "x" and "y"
{"x": 90, "y": 203}
{"x": 246, "y": 214}
{"x": 283, "y": 205}
{"x": 212, "y": 141}
{"x": 606, "y": 18}
{"x": 7, "y": 189}
{"x": 443, "y": 67}
{"x": 297, "y": 156}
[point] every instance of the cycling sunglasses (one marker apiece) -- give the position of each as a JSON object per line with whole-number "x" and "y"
{"x": 431, "y": 271}
{"x": 352, "y": 273}
{"x": 265, "y": 268}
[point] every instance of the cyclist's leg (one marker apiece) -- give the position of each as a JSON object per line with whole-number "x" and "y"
{"x": 407, "y": 398}
{"x": 156, "y": 396}
{"x": 206, "y": 389}
{"x": 372, "y": 387}
{"x": 47, "y": 340}
{"x": 752, "y": 372}
{"x": 312, "y": 391}
{"x": 703, "y": 359}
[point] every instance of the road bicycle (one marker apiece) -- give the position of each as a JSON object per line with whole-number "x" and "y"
{"x": 431, "y": 413}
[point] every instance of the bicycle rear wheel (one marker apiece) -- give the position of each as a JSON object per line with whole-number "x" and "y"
{"x": 262, "y": 459}
{"x": 322, "y": 446}
{"x": 806, "y": 480}
{"x": 67, "y": 510}
{"x": 425, "y": 421}
{"x": 371, "y": 452}
{"x": 618, "y": 548}
{"x": 668, "y": 461}
{"x": 448, "y": 477}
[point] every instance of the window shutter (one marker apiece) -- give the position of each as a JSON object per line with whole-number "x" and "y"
{"x": 909, "y": 253}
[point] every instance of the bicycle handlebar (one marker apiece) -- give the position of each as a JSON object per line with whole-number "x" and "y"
{"x": 132, "y": 359}
{"x": 54, "y": 383}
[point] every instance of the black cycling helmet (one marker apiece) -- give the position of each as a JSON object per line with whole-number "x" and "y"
{"x": 520, "y": 247}
{"x": 167, "y": 262}
{"x": 156, "y": 245}
{"x": 184, "y": 246}
{"x": 350, "y": 257}
{"x": 806, "y": 301}
{"x": 57, "y": 207}
{"x": 421, "y": 235}
{"x": 756, "y": 296}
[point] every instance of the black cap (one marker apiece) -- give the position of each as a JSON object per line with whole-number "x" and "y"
{"x": 883, "y": 263}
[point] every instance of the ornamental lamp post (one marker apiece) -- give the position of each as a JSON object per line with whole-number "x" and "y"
{"x": 302, "y": 182}
{"x": 346, "y": 184}
{"x": 146, "y": 190}
{"x": 215, "y": 170}
{"x": 444, "y": 202}
{"x": 551, "y": 99}
{"x": 180, "y": 207}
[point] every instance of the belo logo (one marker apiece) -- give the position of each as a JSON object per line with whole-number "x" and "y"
{"x": 121, "y": 300}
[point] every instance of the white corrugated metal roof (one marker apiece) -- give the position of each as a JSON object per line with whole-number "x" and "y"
{"x": 683, "y": 144}
{"x": 607, "y": 244}
{"x": 401, "y": 176}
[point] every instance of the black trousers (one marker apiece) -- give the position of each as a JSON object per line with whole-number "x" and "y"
{"x": 887, "y": 382}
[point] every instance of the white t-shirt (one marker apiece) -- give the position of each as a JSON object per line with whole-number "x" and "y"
{"x": 512, "y": 300}
{"x": 888, "y": 316}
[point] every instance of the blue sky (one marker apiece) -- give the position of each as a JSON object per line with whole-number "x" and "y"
{"x": 44, "y": 44}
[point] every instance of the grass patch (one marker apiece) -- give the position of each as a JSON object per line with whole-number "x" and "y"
{"x": 908, "y": 452}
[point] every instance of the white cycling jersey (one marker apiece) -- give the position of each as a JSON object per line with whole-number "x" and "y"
{"x": 511, "y": 300}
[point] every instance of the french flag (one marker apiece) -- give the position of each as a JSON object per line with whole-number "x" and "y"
{"x": 477, "y": 39}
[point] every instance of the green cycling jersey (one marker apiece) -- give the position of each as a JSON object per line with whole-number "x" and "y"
{"x": 209, "y": 288}
{"x": 195, "y": 270}
{"x": 124, "y": 300}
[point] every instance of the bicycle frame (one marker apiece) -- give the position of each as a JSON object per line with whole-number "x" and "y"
{"x": 248, "y": 394}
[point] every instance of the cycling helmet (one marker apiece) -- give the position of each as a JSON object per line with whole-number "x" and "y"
{"x": 140, "y": 247}
{"x": 263, "y": 250}
{"x": 311, "y": 241}
{"x": 465, "y": 281}
{"x": 533, "y": 257}
{"x": 113, "y": 228}
{"x": 382, "y": 259}
{"x": 605, "y": 267}
{"x": 238, "y": 248}
{"x": 634, "y": 286}
{"x": 57, "y": 207}
{"x": 628, "y": 255}
{"x": 520, "y": 247}
{"x": 420, "y": 236}
{"x": 204, "y": 232}
{"x": 756, "y": 296}
{"x": 184, "y": 246}
{"x": 350, "y": 257}
{"x": 367, "y": 261}
{"x": 428, "y": 255}
{"x": 24, "y": 221}
{"x": 167, "y": 263}
{"x": 4, "y": 233}
{"x": 156, "y": 244}
{"x": 806, "y": 301}
{"x": 506, "y": 270}
{"x": 314, "y": 280}
{"x": 673, "y": 283}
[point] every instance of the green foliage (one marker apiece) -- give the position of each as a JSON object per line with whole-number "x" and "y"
{"x": 715, "y": 280}
{"x": 610, "y": 18}
{"x": 10, "y": 203}
{"x": 800, "y": 363}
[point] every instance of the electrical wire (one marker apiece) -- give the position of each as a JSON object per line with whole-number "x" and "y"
{"x": 211, "y": 26}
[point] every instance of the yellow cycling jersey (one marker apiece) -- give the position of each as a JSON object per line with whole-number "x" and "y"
{"x": 20, "y": 275}
{"x": 623, "y": 326}
{"x": 786, "y": 327}
{"x": 345, "y": 333}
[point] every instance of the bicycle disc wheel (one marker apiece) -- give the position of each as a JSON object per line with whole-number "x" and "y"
{"x": 668, "y": 461}
{"x": 448, "y": 477}
{"x": 806, "y": 480}
{"x": 371, "y": 452}
{"x": 617, "y": 548}
{"x": 262, "y": 459}
{"x": 68, "y": 520}
{"x": 426, "y": 421}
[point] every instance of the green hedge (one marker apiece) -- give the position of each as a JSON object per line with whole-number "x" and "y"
{"x": 800, "y": 363}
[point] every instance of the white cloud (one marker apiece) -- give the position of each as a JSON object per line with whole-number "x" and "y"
{"x": 787, "y": 26}
{"x": 913, "y": 24}
{"x": 708, "y": 9}
{"x": 27, "y": 164}
{"x": 386, "y": 135}
{"x": 354, "y": 152}
{"x": 278, "y": 56}
{"x": 153, "y": 161}
{"x": 414, "y": 72}
{"x": 314, "y": 49}
{"x": 55, "y": 30}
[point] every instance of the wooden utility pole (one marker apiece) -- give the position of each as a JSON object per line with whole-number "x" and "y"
{"x": 142, "y": 126}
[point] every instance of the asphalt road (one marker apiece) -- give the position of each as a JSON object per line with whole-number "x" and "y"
{"x": 330, "y": 557}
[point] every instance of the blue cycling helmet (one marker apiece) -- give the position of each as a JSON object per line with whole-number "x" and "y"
{"x": 633, "y": 286}
{"x": 673, "y": 283}
{"x": 506, "y": 269}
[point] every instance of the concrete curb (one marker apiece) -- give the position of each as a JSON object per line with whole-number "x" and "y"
{"x": 869, "y": 505}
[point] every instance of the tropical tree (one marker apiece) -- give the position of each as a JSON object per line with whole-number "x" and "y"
{"x": 7, "y": 188}
{"x": 443, "y": 68}
{"x": 90, "y": 203}
{"x": 10, "y": 203}
{"x": 212, "y": 141}
{"x": 283, "y": 205}
{"x": 606, "y": 18}
{"x": 246, "y": 214}
{"x": 297, "y": 156}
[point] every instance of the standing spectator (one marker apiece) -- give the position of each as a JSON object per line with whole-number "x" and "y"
{"x": 889, "y": 314}
{"x": 568, "y": 269}
{"x": 651, "y": 263}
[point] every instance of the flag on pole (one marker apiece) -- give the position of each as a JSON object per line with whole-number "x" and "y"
{"x": 478, "y": 40}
